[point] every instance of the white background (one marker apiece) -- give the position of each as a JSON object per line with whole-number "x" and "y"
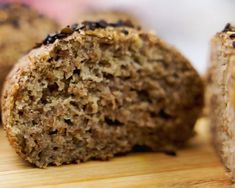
{"x": 187, "y": 24}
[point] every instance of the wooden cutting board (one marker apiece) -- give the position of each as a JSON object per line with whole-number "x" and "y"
{"x": 195, "y": 166}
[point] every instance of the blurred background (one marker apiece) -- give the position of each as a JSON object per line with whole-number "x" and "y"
{"x": 187, "y": 24}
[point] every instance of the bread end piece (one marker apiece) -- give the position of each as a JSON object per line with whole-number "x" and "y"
{"x": 221, "y": 95}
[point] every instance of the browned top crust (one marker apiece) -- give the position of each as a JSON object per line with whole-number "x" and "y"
{"x": 228, "y": 27}
{"x": 228, "y": 34}
{"x": 85, "y": 25}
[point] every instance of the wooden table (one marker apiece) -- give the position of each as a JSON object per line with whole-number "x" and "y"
{"x": 195, "y": 166}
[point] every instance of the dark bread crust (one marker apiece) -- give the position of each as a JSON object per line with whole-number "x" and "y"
{"x": 99, "y": 92}
{"x": 85, "y": 25}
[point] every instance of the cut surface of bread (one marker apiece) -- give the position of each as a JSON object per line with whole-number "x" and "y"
{"x": 97, "y": 89}
{"x": 221, "y": 95}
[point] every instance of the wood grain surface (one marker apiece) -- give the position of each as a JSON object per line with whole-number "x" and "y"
{"x": 196, "y": 165}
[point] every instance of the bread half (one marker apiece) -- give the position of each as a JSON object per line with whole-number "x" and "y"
{"x": 97, "y": 89}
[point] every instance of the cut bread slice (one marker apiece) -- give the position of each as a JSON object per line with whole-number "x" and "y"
{"x": 97, "y": 89}
{"x": 221, "y": 95}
